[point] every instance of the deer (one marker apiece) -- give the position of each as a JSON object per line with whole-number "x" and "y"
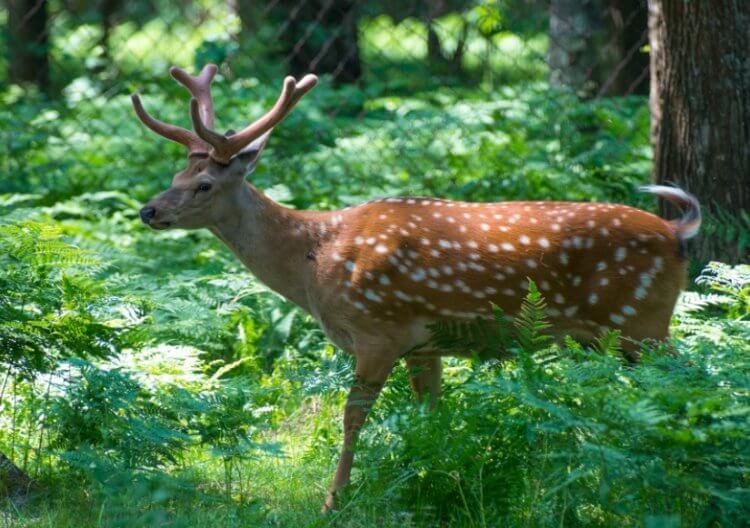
{"x": 377, "y": 275}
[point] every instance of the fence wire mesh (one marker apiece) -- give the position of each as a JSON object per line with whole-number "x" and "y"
{"x": 89, "y": 54}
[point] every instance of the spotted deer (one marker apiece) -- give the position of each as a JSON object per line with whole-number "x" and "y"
{"x": 376, "y": 275}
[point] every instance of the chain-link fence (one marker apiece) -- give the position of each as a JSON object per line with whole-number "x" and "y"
{"x": 595, "y": 46}
{"x": 99, "y": 50}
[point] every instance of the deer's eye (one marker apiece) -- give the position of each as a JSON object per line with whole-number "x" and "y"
{"x": 204, "y": 187}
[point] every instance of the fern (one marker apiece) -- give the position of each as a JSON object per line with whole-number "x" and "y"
{"x": 531, "y": 322}
{"x": 608, "y": 344}
{"x": 46, "y": 300}
{"x": 484, "y": 338}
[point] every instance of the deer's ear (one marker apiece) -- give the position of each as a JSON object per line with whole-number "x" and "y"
{"x": 246, "y": 159}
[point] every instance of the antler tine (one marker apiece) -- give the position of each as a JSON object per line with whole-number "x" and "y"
{"x": 224, "y": 147}
{"x": 199, "y": 87}
{"x": 307, "y": 83}
{"x": 175, "y": 133}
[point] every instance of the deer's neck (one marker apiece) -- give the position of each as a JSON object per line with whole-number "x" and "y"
{"x": 275, "y": 243}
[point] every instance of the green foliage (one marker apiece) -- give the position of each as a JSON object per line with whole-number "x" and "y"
{"x": 583, "y": 440}
{"x": 146, "y": 379}
{"x": 108, "y": 411}
{"x": 48, "y": 305}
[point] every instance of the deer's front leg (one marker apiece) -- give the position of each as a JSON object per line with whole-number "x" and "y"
{"x": 370, "y": 376}
{"x": 424, "y": 376}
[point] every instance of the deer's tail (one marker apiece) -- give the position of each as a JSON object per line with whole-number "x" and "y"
{"x": 689, "y": 223}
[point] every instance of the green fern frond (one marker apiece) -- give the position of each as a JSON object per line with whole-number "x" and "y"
{"x": 608, "y": 344}
{"x": 481, "y": 337}
{"x": 531, "y": 322}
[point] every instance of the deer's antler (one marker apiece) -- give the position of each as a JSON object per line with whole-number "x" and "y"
{"x": 200, "y": 88}
{"x": 205, "y": 140}
{"x": 175, "y": 133}
{"x": 226, "y": 146}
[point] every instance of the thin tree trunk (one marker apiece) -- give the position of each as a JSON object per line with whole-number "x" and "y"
{"x": 624, "y": 66}
{"x": 700, "y": 111}
{"x": 321, "y": 36}
{"x": 572, "y": 58}
{"x": 595, "y": 46}
{"x": 28, "y": 44}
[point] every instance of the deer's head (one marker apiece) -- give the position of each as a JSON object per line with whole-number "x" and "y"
{"x": 217, "y": 163}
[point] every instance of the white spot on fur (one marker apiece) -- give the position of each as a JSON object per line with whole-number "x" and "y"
{"x": 369, "y": 294}
{"x": 418, "y": 275}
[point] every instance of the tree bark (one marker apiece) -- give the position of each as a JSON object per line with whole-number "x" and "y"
{"x": 700, "y": 115}
{"x": 28, "y": 43}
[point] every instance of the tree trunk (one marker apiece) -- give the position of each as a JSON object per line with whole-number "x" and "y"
{"x": 321, "y": 36}
{"x": 28, "y": 43}
{"x": 108, "y": 10}
{"x": 700, "y": 115}
{"x": 624, "y": 67}
{"x": 595, "y": 46}
{"x": 14, "y": 483}
{"x": 572, "y": 58}
{"x": 251, "y": 15}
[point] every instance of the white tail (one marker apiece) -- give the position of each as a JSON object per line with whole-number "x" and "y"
{"x": 375, "y": 276}
{"x": 690, "y": 223}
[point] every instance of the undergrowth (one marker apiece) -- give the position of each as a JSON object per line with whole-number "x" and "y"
{"x": 146, "y": 379}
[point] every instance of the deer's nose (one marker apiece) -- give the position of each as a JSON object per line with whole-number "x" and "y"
{"x": 147, "y": 213}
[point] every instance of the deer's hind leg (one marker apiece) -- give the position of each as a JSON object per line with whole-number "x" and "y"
{"x": 425, "y": 377}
